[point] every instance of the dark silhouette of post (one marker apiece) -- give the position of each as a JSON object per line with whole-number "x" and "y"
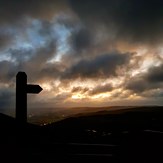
{"x": 22, "y": 88}
{"x": 21, "y": 97}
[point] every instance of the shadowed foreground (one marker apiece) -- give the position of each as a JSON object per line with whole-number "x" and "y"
{"x": 130, "y": 136}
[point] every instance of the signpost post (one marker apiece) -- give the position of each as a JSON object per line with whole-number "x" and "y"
{"x": 22, "y": 88}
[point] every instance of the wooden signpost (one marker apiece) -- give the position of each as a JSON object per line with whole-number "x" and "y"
{"x": 22, "y": 88}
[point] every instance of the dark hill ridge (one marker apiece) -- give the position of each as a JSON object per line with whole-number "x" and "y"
{"x": 10, "y": 125}
{"x": 137, "y": 132}
{"x": 15, "y": 139}
{"x": 12, "y": 132}
{"x": 116, "y": 122}
{"x": 131, "y": 135}
{"x": 6, "y": 120}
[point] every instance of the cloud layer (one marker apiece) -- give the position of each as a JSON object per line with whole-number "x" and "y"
{"x": 134, "y": 20}
{"x": 83, "y": 52}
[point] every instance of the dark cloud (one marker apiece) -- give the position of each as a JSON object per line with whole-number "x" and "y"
{"x": 101, "y": 66}
{"x": 101, "y": 89}
{"x": 35, "y": 31}
{"x": 81, "y": 39}
{"x": 79, "y": 89}
{"x": 8, "y": 71}
{"x": 137, "y": 85}
{"x": 36, "y": 65}
{"x": 135, "y": 20}
{"x": 33, "y": 62}
{"x": 45, "y": 29}
{"x": 4, "y": 40}
{"x": 123, "y": 94}
{"x": 33, "y": 59}
{"x": 158, "y": 94}
{"x": 150, "y": 80}
{"x": 51, "y": 71}
{"x": 7, "y": 35}
{"x": 20, "y": 55}
{"x": 155, "y": 74}
{"x": 14, "y": 11}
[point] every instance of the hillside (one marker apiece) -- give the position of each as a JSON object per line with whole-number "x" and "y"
{"x": 116, "y": 122}
{"x": 131, "y": 135}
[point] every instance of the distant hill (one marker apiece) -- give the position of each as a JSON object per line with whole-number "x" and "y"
{"x": 61, "y": 114}
{"x": 116, "y": 122}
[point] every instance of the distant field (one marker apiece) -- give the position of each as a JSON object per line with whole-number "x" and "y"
{"x": 54, "y": 116}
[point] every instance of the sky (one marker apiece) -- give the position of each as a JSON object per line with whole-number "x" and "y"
{"x": 82, "y": 52}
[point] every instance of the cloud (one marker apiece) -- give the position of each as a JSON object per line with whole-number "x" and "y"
{"x": 101, "y": 89}
{"x": 80, "y": 89}
{"x": 32, "y": 54}
{"x": 62, "y": 44}
{"x": 7, "y": 35}
{"x": 32, "y": 61}
{"x": 155, "y": 74}
{"x": 99, "y": 67}
{"x": 131, "y": 20}
{"x": 137, "y": 85}
{"x": 8, "y": 71}
{"x": 16, "y": 17}
{"x": 81, "y": 39}
{"x": 14, "y": 11}
{"x": 147, "y": 81}
{"x": 4, "y": 40}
